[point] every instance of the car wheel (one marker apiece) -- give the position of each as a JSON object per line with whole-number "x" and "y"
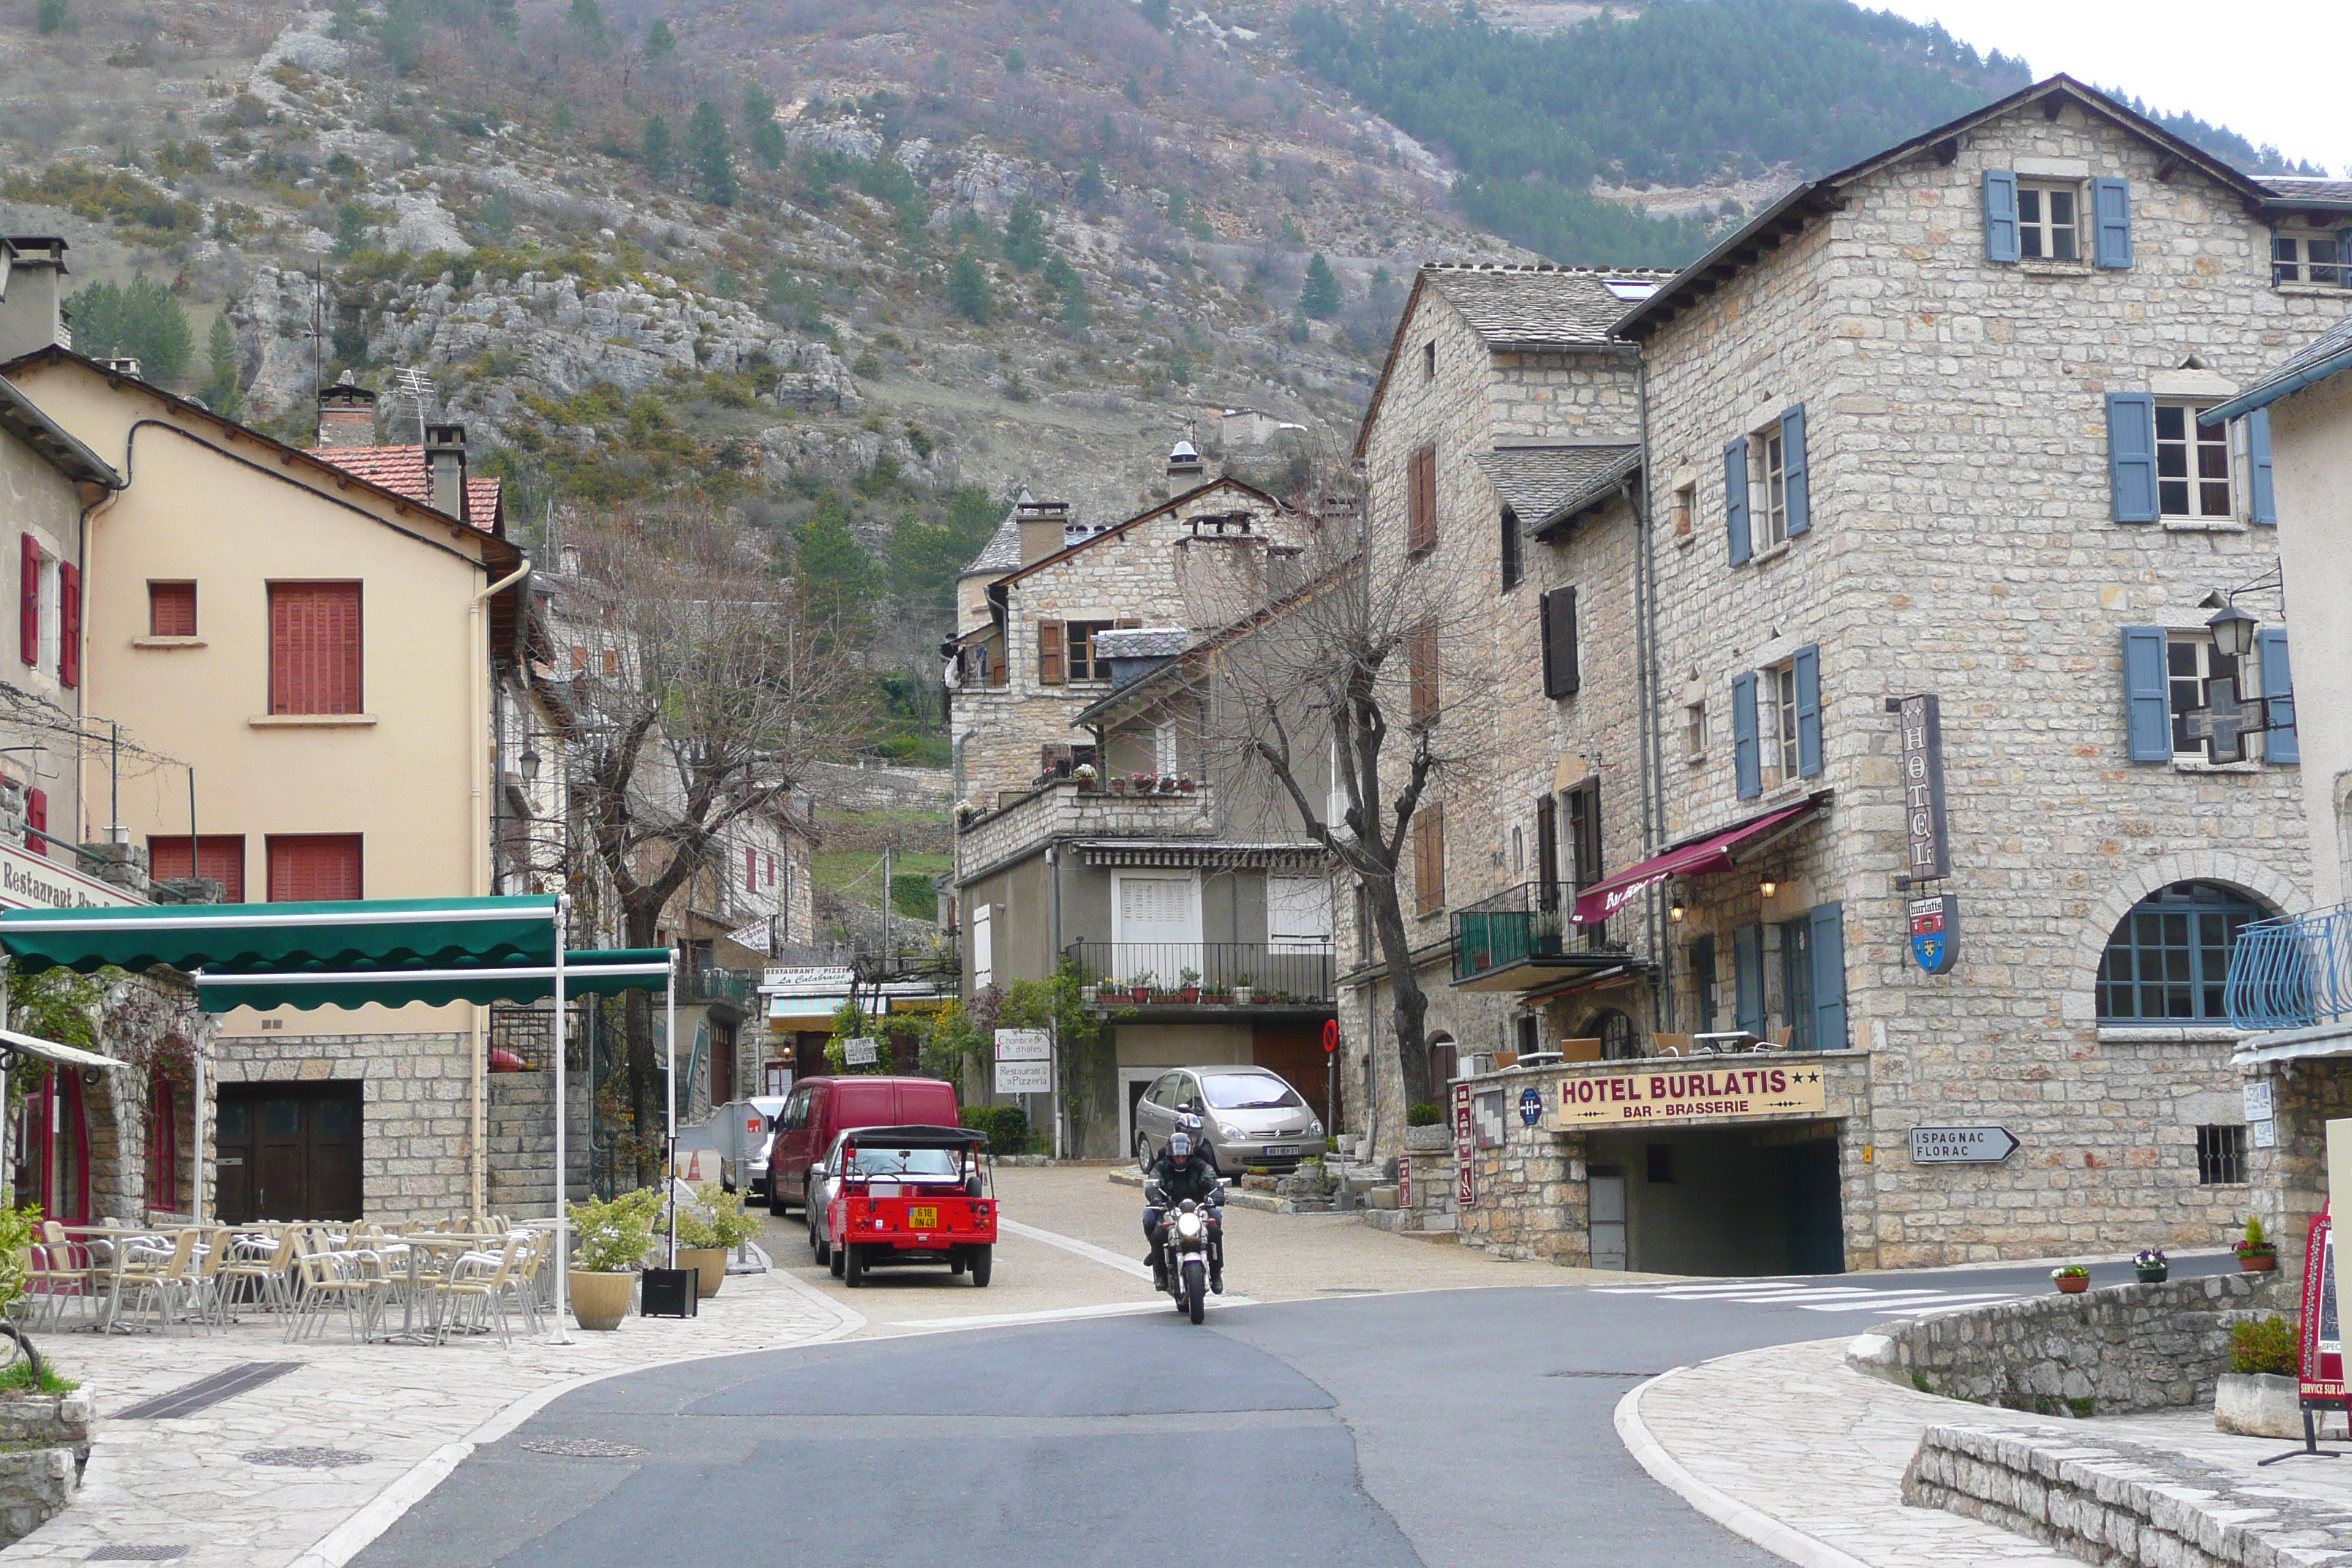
{"x": 836, "y": 1259}
{"x": 955, "y": 1262}
{"x": 1143, "y": 1151}
{"x": 983, "y": 1257}
{"x": 853, "y": 1265}
{"x": 819, "y": 1247}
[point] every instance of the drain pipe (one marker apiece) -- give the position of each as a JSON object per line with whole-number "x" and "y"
{"x": 477, "y": 655}
{"x": 1649, "y": 676}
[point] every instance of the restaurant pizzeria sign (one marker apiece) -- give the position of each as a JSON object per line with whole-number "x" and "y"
{"x": 1689, "y": 1095}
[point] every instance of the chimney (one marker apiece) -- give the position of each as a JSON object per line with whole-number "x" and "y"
{"x": 32, "y": 299}
{"x": 570, "y": 558}
{"x": 444, "y": 469}
{"x": 1044, "y": 529}
{"x": 122, "y": 364}
{"x": 347, "y": 414}
{"x": 1185, "y": 462}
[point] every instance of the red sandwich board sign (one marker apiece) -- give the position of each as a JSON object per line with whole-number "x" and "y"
{"x": 2320, "y": 1370}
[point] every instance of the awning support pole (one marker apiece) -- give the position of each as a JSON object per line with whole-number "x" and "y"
{"x": 669, "y": 1106}
{"x": 562, "y": 1216}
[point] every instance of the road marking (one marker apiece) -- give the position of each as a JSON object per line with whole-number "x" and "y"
{"x": 1062, "y": 1314}
{"x": 1133, "y": 1267}
{"x": 1917, "y": 1302}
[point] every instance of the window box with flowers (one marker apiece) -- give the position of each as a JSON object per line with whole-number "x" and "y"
{"x": 2070, "y": 1281}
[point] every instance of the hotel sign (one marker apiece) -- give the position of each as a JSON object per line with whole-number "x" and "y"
{"x": 31, "y": 881}
{"x": 1731, "y": 1093}
{"x": 1929, "y": 855}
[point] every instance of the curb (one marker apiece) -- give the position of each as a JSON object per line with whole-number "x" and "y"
{"x": 1781, "y": 1540}
{"x": 380, "y": 1513}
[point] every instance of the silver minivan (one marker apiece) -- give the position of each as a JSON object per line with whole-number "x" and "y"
{"x": 1249, "y": 1118}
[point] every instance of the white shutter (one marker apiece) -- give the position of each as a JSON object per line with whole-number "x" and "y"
{"x": 1297, "y": 914}
{"x": 984, "y": 947}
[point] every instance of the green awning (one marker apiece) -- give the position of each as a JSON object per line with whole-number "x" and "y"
{"x": 599, "y": 972}
{"x": 386, "y": 934}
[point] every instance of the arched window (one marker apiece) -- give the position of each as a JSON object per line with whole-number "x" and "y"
{"x": 1614, "y": 1030}
{"x": 1444, "y": 1062}
{"x": 2167, "y": 961}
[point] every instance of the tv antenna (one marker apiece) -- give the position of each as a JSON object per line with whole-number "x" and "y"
{"x": 417, "y": 388}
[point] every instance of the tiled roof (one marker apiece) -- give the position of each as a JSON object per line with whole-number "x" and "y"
{"x": 401, "y": 469}
{"x": 2308, "y": 189}
{"x": 1143, "y": 642}
{"x": 1540, "y": 306}
{"x": 1532, "y": 480}
{"x": 1003, "y": 551}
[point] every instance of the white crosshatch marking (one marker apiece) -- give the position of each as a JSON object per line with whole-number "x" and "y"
{"x": 1886, "y": 1300}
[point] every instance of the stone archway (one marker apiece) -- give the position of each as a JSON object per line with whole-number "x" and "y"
{"x": 2078, "y": 1003}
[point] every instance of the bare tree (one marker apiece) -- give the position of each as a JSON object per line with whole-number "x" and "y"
{"x": 1332, "y": 687}
{"x": 707, "y": 688}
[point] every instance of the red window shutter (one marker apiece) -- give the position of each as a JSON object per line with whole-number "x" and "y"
{"x": 313, "y": 868}
{"x": 772, "y": 870}
{"x": 219, "y": 856}
{"x": 36, "y": 820}
{"x": 28, "y": 603}
{"x": 750, "y": 870}
{"x": 69, "y": 624}
{"x": 171, "y": 609}
{"x": 314, "y": 647}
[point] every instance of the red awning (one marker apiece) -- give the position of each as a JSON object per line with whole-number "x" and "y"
{"x": 1606, "y": 897}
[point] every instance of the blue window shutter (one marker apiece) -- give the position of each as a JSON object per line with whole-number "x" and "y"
{"x": 2111, "y": 211}
{"x": 2148, "y": 697}
{"x": 2258, "y": 461}
{"x": 2131, "y": 456}
{"x": 1793, "y": 461}
{"x": 1745, "y": 763}
{"x": 2000, "y": 214}
{"x": 1748, "y": 974}
{"x": 1829, "y": 978}
{"x": 2278, "y": 685}
{"x": 1734, "y": 498}
{"x": 1809, "y": 710}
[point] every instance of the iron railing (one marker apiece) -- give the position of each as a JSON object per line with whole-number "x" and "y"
{"x": 1274, "y": 972}
{"x": 2292, "y": 972}
{"x": 1515, "y": 924}
{"x": 738, "y": 987}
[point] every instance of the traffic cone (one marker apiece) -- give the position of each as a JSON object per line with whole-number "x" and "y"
{"x": 696, "y": 1174}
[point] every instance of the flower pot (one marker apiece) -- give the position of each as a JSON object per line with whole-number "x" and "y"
{"x": 1189, "y": 994}
{"x": 1242, "y": 994}
{"x": 1087, "y": 993}
{"x": 2072, "y": 1284}
{"x": 1184, "y": 787}
{"x": 2257, "y": 1263}
{"x": 2157, "y": 1275}
{"x": 1429, "y": 1139}
{"x": 1140, "y": 994}
{"x": 601, "y": 1300}
{"x": 709, "y": 1263}
{"x": 1118, "y": 786}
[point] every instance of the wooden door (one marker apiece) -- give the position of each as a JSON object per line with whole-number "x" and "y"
{"x": 290, "y": 1151}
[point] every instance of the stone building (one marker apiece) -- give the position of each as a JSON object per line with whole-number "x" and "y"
{"x": 1926, "y": 427}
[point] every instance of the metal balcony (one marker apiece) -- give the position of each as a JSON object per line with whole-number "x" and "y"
{"x": 1520, "y": 939}
{"x": 2292, "y": 972}
{"x": 1276, "y": 977}
{"x": 735, "y": 988}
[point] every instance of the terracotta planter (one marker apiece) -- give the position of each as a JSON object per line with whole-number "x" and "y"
{"x": 1139, "y": 994}
{"x": 1189, "y": 994}
{"x": 601, "y": 1300}
{"x": 709, "y": 1263}
{"x": 2072, "y": 1284}
{"x": 2260, "y": 1264}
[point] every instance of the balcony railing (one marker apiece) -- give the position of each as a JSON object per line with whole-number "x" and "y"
{"x": 2293, "y": 973}
{"x": 1272, "y": 974}
{"x": 737, "y": 987}
{"x": 1518, "y": 923}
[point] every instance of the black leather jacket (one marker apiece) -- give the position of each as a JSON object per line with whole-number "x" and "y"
{"x": 1195, "y": 1178}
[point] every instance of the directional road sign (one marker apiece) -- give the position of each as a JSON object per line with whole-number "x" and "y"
{"x": 1962, "y": 1145}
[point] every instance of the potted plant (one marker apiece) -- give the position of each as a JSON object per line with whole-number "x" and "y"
{"x": 1184, "y": 783}
{"x": 609, "y": 1238}
{"x": 1425, "y": 1128}
{"x": 965, "y": 811}
{"x": 2070, "y": 1281}
{"x": 1188, "y": 985}
{"x": 1140, "y": 782}
{"x": 1085, "y": 773}
{"x": 1118, "y": 784}
{"x": 1088, "y": 993}
{"x": 2256, "y": 1254}
{"x": 1166, "y": 784}
{"x": 2151, "y": 1265}
{"x": 1139, "y": 988}
{"x": 1244, "y": 988}
{"x": 1543, "y": 932}
{"x": 714, "y": 1227}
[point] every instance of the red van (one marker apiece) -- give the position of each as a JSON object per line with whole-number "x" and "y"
{"x": 822, "y": 1107}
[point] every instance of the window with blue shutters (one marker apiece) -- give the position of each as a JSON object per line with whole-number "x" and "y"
{"x": 2111, "y": 238}
{"x": 1734, "y": 498}
{"x": 2262, "y": 498}
{"x": 2148, "y": 708}
{"x": 2279, "y": 742}
{"x": 1828, "y": 944}
{"x": 1805, "y": 672}
{"x": 2131, "y": 456}
{"x": 1747, "y": 978}
{"x": 1795, "y": 471}
{"x": 1767, "y": 486}
{"x": 1747, "y": 765}
{"x": 2000, "y": 214}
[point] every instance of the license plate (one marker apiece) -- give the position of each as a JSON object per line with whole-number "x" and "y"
{"x": 923, "y": 1219}
{"x": 1282, "y": 1149}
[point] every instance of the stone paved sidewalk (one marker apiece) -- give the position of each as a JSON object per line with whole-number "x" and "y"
{"x": 391, "y": 1419}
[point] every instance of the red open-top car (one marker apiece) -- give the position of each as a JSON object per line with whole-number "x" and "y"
{"x": 912, "y": 1195}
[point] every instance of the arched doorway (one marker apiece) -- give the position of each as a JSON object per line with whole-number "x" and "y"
{"x": 52, "y": 1144}
{"x": 1444, "y": 1064}
{"x": 2168, "y": 959}
{"x": 1614, "y": 1030}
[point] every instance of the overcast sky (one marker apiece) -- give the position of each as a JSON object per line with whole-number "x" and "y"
{"x": 2271, "y": 70}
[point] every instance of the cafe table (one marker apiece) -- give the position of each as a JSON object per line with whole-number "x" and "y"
{"x": 410, "y": 1331}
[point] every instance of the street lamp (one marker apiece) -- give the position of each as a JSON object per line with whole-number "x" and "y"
{"x": 2234, "y": 632}
{"x": 530, "y": 760}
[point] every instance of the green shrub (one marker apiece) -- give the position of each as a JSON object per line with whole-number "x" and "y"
{"x": 125, "y": 201}
{"x": 1007, "y": 1127}
{"x": 1424, "y": 1115}
{"x": 2269, "y": 1344}
{"x": 610, "y": 1236}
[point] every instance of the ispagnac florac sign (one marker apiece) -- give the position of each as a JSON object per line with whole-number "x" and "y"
{"x": 1699, "y": 1094}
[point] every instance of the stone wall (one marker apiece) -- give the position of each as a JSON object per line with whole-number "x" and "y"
{"x": 417, "y": 1112}
{"x": 878, "y": 788}
{"x": 2105, "y": 1352}
{"x": 522, "y": 1142}
{"x": 49, "y": 1439}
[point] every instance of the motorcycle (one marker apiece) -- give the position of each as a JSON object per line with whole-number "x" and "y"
{"x": 1188, "y": 1241}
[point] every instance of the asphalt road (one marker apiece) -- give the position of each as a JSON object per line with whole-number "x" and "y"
{"x": 1452, "y": 1429}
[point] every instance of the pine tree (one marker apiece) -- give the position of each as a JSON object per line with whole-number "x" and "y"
{"x": 351, "y": 229}
{"x": 139, "y": 319}
{"x": 967, "y": 291}
{"x": 1089, "y": 188}
{"x": 1319, "y": 296}
{"x": 657, "y": 155}
{"x": 585, "y": 19}
{"x": 1024, "y": 233}
{"x": 220, "y": 390}
{"x": 766, "y": 136}
{"x": 660, "y": 41}
{"x": 834, "y": 568}
{"x": 712, "y": 153}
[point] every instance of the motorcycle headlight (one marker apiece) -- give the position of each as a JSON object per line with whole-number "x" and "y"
{"x": 1189, "y": 1227}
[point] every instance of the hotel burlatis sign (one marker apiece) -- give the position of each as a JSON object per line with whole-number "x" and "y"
{"x": 1689, "y": 1095}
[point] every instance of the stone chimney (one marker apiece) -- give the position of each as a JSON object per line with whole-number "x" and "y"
{"x": 32, "y": 295}
{"x": 346, "y": 415}
{"x": 1184, "y": 463}
{"x": 1044, "y": 529}
{"x": 123, "y": 365}
{"x": 444, "y": 469}
{"x": 569, "y": 557}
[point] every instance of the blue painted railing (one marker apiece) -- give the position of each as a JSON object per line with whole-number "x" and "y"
{"x": 2292, "y": 972}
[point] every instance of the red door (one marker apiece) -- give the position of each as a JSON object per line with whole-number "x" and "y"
{"x": 53, "y": 1148}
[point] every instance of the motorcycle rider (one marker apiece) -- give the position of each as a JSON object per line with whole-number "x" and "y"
{"x": 1182, "y": 1171}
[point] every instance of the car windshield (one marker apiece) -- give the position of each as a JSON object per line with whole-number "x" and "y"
{"x": 905, "y": 1163}
{"x": 1248, "y": 1091}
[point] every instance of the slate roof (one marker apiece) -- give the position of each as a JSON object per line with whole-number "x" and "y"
{"x": 2328, "y": 354}
{"x": 1532, "y": 480}
{"x": 401, "y": 470}
{"x": 1003, "y": 551}
{"x": 2293, "y": 189}
{"x": 1539, "y": 306}
{"x": 1143, "y": 642}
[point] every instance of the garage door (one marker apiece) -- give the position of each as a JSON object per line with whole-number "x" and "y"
{"x": 290, "y": 1152}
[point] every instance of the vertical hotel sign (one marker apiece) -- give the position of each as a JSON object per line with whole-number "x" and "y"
{"x": 1929, "y": 858}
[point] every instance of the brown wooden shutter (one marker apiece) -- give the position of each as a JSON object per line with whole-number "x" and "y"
{"x": 309, "y": 868}
{"x": 1421, "y": 670}
{"x": 1429, "y": 858}
{"x": 314, "y": 647}
{"x": 1584, "y": 831}
{"x": 171, "y": 609}
{"x": 1548, "y": 853}
{"x": 1560, "y": 676}
{"x": 1053, "y": 665}
{"x": 1421, "y": 501}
